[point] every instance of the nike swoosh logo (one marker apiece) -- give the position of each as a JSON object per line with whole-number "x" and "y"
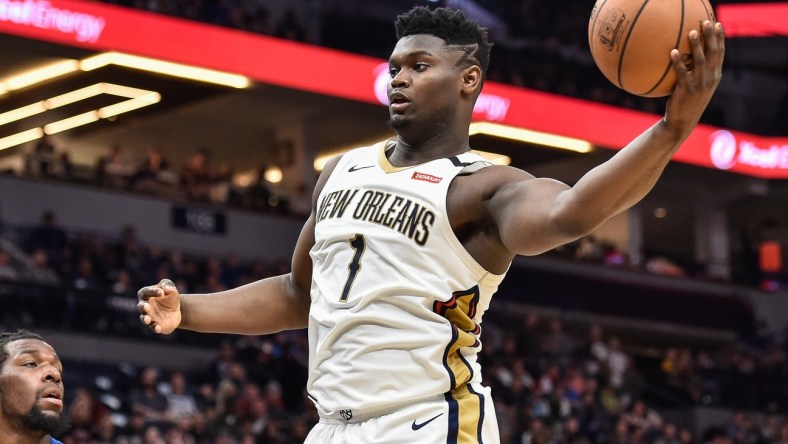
{"x": 415, "y": 426}
{"x": 355, "y": 168}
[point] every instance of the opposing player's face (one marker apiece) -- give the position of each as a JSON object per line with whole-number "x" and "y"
{"x": 425, "y": 82}
{"x": 31, "y": 388}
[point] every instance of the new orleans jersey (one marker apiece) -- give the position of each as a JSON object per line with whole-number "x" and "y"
{"x": 396, "y": 299}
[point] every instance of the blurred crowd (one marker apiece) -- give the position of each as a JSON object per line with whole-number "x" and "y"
{"x": 119, "y": 263}
{"x": 203, "y": 179}
{"x": 550, "y": 383}
{"x": 200, "y": 178}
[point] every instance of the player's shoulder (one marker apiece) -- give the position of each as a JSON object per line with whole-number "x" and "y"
{"x": 469, "y": 194}
{"x": 489, "y": 179}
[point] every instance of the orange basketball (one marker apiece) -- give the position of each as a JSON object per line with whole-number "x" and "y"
{"x": 631, "y": 41}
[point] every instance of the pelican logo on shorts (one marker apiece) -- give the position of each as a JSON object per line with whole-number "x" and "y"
{"x": 346, "y": 414}
{"x": 426, "y": 177}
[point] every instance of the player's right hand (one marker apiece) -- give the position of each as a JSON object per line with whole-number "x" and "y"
{"x": 160, "y": 307}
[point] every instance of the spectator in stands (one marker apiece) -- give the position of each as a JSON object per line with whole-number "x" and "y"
{"x": 558, "y": 345}
{"x": 617, "y": 363}
{"x": 153, "y": 175}
{"x": 597, "y": 348}
{"x": 39, "y": 271}
{"x": 146, "y": 399}
{"x": 105, "y": 429}
{"x": 130, "y": 251}
{"x": 64, "y": 168}
{"x": 258, "y": 193}
{"x": 222, "y": 188}
{"x": 122, "y": 283}
{"x": 48, "y": 236}
{"x": 196, "y": 177}
{"x": 85, "y": 413}
{"x": 86, "y": 278}
{"x": 290, "y": 27}
{"x": 31, "y": 390}
{"x": 7, "y": 270}
{"x": 642, "y": 420}
{"x": 181, "y": 404}
{"x": 41, "y": 161}
{"x": 589, "y": 249}
{"x": 114, "y": 169}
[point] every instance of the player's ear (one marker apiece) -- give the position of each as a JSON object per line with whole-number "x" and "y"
{"x": 471, "y": 79}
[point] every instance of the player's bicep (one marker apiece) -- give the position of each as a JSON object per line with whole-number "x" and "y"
{"x": 302, "y": 262}
{"x": 528, "y": 215}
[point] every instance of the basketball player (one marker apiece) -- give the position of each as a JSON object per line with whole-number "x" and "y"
{"x": 31, "y": 390}
{"x": 409, "y": 238}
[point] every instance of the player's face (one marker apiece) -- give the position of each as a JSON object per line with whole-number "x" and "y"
{"x": 31, "y": 388}
{"x": 425, "y": 83}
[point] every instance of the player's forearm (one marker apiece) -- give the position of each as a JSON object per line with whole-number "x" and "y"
{"x": 626, "y": 178}
{"x": 262, "y": 307}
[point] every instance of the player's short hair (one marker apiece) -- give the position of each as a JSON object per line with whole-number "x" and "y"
{"x": 18, "y": 335}
{"x": 450, "y": 25}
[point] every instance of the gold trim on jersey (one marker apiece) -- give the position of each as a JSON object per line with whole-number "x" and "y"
{"x": 469, "y": 414}
{"x": 459, "y": 311}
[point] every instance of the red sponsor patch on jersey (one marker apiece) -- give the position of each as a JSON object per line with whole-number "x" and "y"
{"x": 426, "y": 177}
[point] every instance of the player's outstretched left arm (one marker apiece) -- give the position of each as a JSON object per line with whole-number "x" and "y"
{"x": 535, "y": 215}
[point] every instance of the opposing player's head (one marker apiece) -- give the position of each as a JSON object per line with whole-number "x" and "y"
{"x": 31, "y": 386}
{"x": 437, "y": 68}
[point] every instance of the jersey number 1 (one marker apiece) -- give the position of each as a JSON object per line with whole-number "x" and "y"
{"x": 358, "y": 245}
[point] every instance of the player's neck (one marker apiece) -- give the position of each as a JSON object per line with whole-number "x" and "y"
{"x": 405, "y": 153}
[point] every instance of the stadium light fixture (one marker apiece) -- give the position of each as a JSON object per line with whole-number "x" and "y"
{"x": 64, "y": 67}
{"x": 530, "y": 136}
{"x": 129, "y": 105}
{"x": 37, "y": 75}
{"x": 20, "y": 138}
{"x": 166, "y": 68}
{"x": 74, "y": 96}
{"x": 137, "y": 98}
{"x": 23, "y": 112}
{"x": 273, "y": 175}
{"x": 71, "y": 122}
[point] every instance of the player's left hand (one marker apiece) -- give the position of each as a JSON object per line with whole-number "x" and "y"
{"x": 696, "y": 83}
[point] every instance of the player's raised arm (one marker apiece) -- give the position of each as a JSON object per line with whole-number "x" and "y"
{"x": 265, "y": 306}
{"x": 535, "y": 215}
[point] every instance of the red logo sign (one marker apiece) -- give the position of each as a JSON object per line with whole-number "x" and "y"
{"x": 426, "y": 177}
{"x": 43, "y": 15}
{"x": 726, "y": 152}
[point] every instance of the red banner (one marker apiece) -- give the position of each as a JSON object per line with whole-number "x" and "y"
{"x": 754, "y": 19}
{"x": 334, "y": 73}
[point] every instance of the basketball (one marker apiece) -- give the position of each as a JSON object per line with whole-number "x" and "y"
{"x": 631, "y": 41}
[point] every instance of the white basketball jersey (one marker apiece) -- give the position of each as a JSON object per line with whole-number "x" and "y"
{"x": 396, "y": 299}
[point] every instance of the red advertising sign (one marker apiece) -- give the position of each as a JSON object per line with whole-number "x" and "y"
{"x": 324, "y": 71}
{"x": 754, "y": 19}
